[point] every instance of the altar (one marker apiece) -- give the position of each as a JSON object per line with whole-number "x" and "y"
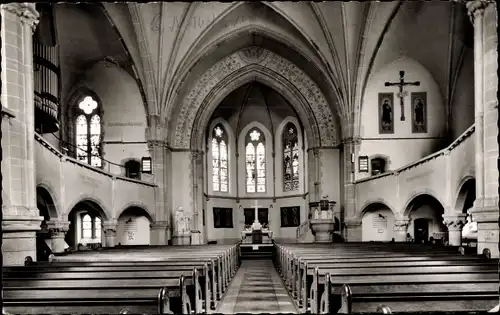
{"x": 257, "y": 235}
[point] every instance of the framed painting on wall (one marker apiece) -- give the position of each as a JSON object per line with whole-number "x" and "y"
{"x": 386, "y": 113}
{"x": 419, "y": 112}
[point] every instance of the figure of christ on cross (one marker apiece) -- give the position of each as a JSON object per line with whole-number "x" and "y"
{"x": 402, "y": 93}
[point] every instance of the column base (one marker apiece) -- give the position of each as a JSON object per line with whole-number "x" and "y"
{"x": 159, "y": 233}
{"x": 353, "y": 230}
{"x": 486, "y": 215}
{"x": 19, "y": 238}
{"x": 181, "y": 239}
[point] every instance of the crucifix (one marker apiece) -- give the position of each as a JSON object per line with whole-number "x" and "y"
{"x": 402, "y": 93}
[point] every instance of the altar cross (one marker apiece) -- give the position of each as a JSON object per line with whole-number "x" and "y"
{"x": 402, "y": 93}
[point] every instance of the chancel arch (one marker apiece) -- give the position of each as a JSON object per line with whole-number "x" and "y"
{"x": 133, "y": 227}
{"x": 235, "y": 71}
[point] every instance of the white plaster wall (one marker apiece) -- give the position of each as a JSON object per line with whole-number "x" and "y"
{"x": 402, "y": 147}
{"x": 136, "y": 232}
{"x": 124, "y": 118}
{"x": 330, "y": 174}
{"x": 370, "y": 233}
{"x": 182, "y": 185}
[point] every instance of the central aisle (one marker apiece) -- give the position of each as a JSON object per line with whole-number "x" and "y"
{"x": 256, "y": 288}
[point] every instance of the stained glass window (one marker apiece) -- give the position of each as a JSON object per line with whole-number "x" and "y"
{"x": 87, "y": 226}
{"x": 219, "y": 159}
{"x": 290, "y": 158}
{"x": 81, "y": 138}
{"x": 255, "y": 162}
{"x": 88, "y": 132}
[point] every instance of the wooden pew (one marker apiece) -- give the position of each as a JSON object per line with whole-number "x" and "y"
{"x": 67, "y": 276}
{"x": 381, "y": 271}
{"x": 206, "y": 272}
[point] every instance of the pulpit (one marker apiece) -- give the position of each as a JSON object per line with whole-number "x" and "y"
{"x": 322, "y": 220}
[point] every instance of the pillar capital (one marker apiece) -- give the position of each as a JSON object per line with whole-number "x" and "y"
{"x": 476, "y": 7}
{"x": 454, "y": 222}
{"x": 351, "y": 140}
{"x": 352, "y": 222}
{"x": 26, "y": 11}
{"x": 154, "y": 143}
{"x": 58, "y": 228}
{"x": 109, "y": 226}
{"x": 401, "y": 225}
{"x": 159, "y": 225}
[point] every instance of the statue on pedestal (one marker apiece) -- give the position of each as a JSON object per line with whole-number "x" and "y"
{"x": 182, "y": 221}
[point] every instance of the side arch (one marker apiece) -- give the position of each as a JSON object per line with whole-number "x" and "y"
{"x": 370, "y": 204}
{"x": 466, "y": 186}
{"x": 44, "y": 194}
{"x": 137, "y": 205}
{"x": 95, "y": 202}
{"x": 408, "y": 206}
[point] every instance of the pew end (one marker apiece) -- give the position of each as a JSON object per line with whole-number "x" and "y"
{"x": 346, "y": 300}
{"x": 384, "y": 309}
{"x": 163, "y": 302}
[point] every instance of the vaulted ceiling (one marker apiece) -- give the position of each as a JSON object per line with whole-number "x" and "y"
{"x": 338, "y": 44}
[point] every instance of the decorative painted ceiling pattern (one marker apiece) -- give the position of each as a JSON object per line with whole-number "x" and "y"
{"x": 236, "y": 61}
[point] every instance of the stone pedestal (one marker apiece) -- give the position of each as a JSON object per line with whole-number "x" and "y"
{"x": 487, "y": 229}
{"x": 181, "y": 239}
{"x": 196, "y": 238}
{"x": 353, "y": 230}
{"x": 57, "y": 233}
{"x": 400, "y": 230}
{"x": 109, "y": 229}
{"x": 19, "y": 238}
{"x": 454, "y": 223}
{"x": 322, "y": 230}
{"x": 158, "y": 234}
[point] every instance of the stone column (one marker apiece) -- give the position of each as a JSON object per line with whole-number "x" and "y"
{"x": 158, "y": 234}
{"x": 21, "y": 217}
{"x": 57, "y": 232}
{"x": 159, "y": 166}
{"x": 485, "y": 210}
{"x": 401, "y": 229}
{"x": 454, "y": 223}
{"x": 109, "y": 229}
{"x": 197, "y": 174}
{"x": 350, "y": 146}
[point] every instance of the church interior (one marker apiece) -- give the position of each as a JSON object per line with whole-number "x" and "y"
{"x": 249, "y": 157}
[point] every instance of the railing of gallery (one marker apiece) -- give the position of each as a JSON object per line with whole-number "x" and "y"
{"x": 460, "y": 154}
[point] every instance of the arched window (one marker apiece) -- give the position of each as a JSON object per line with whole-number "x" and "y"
{"x": 133, "y": 169}
{"x": 219, "y": 159}
{"x": 88, "y": 132}
{"x": 378, "y": 166}
{"x": 91, "y": 228}
{"x": 87, "y": 227}
{"x": 290, "y": 142}
{"x": 255, "y": 161}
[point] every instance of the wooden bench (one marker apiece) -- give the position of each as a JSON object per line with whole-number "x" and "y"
{"x": 85, "y": 280}
{"x": 401, "y": 278}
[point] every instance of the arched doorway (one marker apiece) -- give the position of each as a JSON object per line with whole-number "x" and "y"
{"x": 133, "y": 227}
{"x": 85, "y": 228}
{"x": 377, "y": 223}
{"x": 426, "y": 219}
{"x": 465, "y": 201}
{"x": 47, "y": 210}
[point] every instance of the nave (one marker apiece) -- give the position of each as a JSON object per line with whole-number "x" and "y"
{"x": 330, "y": 278}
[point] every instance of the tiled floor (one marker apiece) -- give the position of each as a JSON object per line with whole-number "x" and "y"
{"x": 256, "y": 288}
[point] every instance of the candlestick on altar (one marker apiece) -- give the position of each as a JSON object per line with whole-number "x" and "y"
{"x": 256, "y": 212}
